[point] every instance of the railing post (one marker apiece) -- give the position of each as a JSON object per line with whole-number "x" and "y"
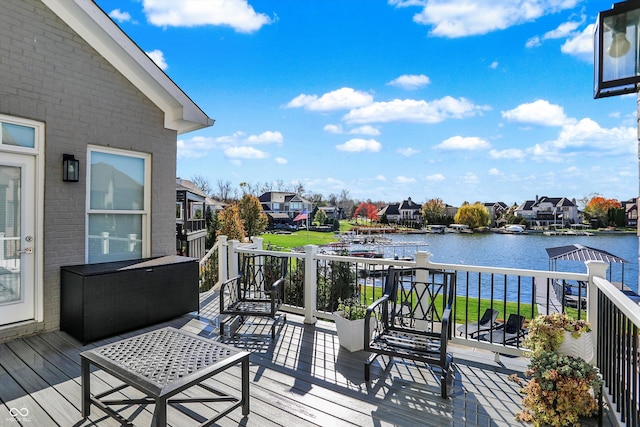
{"x": 232, "y": 255}
{"x": 422, "y": 259}
{"x": 257, "y": 242}
{"x": 310, "y": 283}
{"x": 223, "y": 272}
{"x": 594, "y": 269}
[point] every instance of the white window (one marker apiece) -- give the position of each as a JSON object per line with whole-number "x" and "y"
{"x": 179, "y": 210}
{"x": 118, "y": 205}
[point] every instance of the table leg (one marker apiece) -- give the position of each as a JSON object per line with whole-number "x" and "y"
{"x": 161, "y": 412}
{"x": 85, "y": 379}
{"x": 245, "y": 385}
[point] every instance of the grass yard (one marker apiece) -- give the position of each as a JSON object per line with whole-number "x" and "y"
{"x": 286, "y": 242}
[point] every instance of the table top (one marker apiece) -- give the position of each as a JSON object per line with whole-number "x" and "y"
{"x": 164, "y": 361}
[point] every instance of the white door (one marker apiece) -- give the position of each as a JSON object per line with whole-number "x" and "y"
{"x": 17, "y": 237}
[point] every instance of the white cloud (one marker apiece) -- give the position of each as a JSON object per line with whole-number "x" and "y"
{"x": 380, "y": 178}
{"x": 119, "y": 15}
{"x": 580, "y": 46}
{"x": 533, "y": 42}
{"x": 564, "y": 30}
{"x": 587, "y": 138}
{"x": 407, "y": 152}
{"x": 362, "y": 130}
{"x": 494, "y": 65}
{"x": 333, "y": 129}
{"x": 359, "y": 144}
{"x": 158, "y": 57}
{"x": 418, "y": 111}
{"x": 281, "y": 160}
{"x": 365, "y": 130}
{"x": 461, "y": 18}
{"x": 410, "y": 81}
{"x": 199, "y": 146}
{"x": 404, "y": 180}
{"x": 509, "y": 153}
{"x": 237, "y": 14}
{"x": 539, "y": 112}
{"x": 245, "y": 153}
{"x": 435, "y": 177}
{"x": 340, "y": 99}
{"x": 266, "y": 137}
{"x": 495, "y": 171}
{"x": 470, "y": 178}
{"x": 463, "y": 143}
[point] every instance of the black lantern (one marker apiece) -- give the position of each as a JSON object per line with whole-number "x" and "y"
{"x": 615, "y": 48}
{"x": 70, "y": 168}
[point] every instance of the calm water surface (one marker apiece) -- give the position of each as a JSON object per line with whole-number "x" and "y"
{"x": 519, "y": 251}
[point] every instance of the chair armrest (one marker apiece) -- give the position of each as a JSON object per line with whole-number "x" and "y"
{"x": 233, "y": 292}
{"x": 378, "y": 312}
{"x": 445, "y": 334}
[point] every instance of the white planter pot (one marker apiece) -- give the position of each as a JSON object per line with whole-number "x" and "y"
{"x": 350, "y": 332}
{"x": 578, "y": 347}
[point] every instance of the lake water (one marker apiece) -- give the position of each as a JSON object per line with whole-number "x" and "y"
{"x": 518, "y": 251}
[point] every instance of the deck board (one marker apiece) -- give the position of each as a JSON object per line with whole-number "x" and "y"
{"x": 302, "y": 378}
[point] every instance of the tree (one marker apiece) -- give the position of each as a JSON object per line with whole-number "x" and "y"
{"x": 230, "y": 223}
{"x": 254, "y": 220}
{"x": 433, "y": 211}
{"x": 474, "y": 216}
{"x": 320, "y": 217}
{"x": 224, "y": 190}
{"x": 602, "y": 209}
{"x": 203, "y": 184}
{"x": 367, "y": 210}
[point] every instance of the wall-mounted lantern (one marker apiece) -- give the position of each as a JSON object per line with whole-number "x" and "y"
{"x": 616, "y": 43}
{"x": 70, "y": 168}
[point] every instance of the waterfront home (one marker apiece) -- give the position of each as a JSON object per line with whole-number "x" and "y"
{"x": 89, "y": 130}
{"x": 544, "y": 211}
{"x": 282, "y": 206}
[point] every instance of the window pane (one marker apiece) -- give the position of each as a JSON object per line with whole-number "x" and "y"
{"x": 21, "y": 136}
{"x": 114, "y": 237}
{"x": 117, "y": 182}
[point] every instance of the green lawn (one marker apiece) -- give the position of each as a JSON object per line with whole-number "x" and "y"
{"x": 296, "y": 239}
{"x": 300, "y": 238}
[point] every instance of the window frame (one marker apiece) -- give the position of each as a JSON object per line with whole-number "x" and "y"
{"x": 145, "y": 213}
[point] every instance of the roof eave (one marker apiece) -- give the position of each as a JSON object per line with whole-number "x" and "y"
{"x": 96, "y": 28}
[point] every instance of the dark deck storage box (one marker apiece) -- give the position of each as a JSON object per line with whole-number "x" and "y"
{"x": 101, "y": 300}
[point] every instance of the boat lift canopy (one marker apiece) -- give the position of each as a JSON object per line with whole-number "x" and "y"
{"x": 582, "y": 253}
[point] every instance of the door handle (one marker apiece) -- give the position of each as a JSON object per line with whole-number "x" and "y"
{"x": 28, "y": 250}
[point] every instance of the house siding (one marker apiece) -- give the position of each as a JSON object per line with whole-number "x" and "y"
{"x": 50, "y": 74}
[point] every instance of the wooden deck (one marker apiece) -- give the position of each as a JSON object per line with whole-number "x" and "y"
{"x": 302, "y": 378}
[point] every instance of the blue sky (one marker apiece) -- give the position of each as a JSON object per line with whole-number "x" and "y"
{"x": 465, "y": 100}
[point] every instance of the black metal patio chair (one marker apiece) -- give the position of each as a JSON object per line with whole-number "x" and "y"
{"x": 258, "y": 291}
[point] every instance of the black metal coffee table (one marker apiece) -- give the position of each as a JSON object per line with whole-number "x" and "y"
{"x": 162, "y": 364}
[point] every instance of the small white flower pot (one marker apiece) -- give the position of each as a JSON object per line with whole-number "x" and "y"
{"x": 350, "y": 332}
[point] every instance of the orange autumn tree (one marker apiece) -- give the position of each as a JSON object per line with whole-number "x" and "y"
{"x": 602, "y": 209}
{"x": 366, "y": 210}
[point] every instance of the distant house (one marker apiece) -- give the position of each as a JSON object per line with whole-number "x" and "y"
{"x": 191, "y": 226}
{"x": 282, "y": 207}
{"x": 631, "y": 212}
{"x": 544, "y": 211}
{"x": 77, "y": 94}
{"x": 405, "y": 212}
{"x": 332, "y": 212}
{"x": 495, "y": 209}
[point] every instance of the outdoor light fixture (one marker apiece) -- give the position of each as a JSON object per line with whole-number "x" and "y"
{"x": 616, "y": 55}
{"x": 70, "y": 168}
